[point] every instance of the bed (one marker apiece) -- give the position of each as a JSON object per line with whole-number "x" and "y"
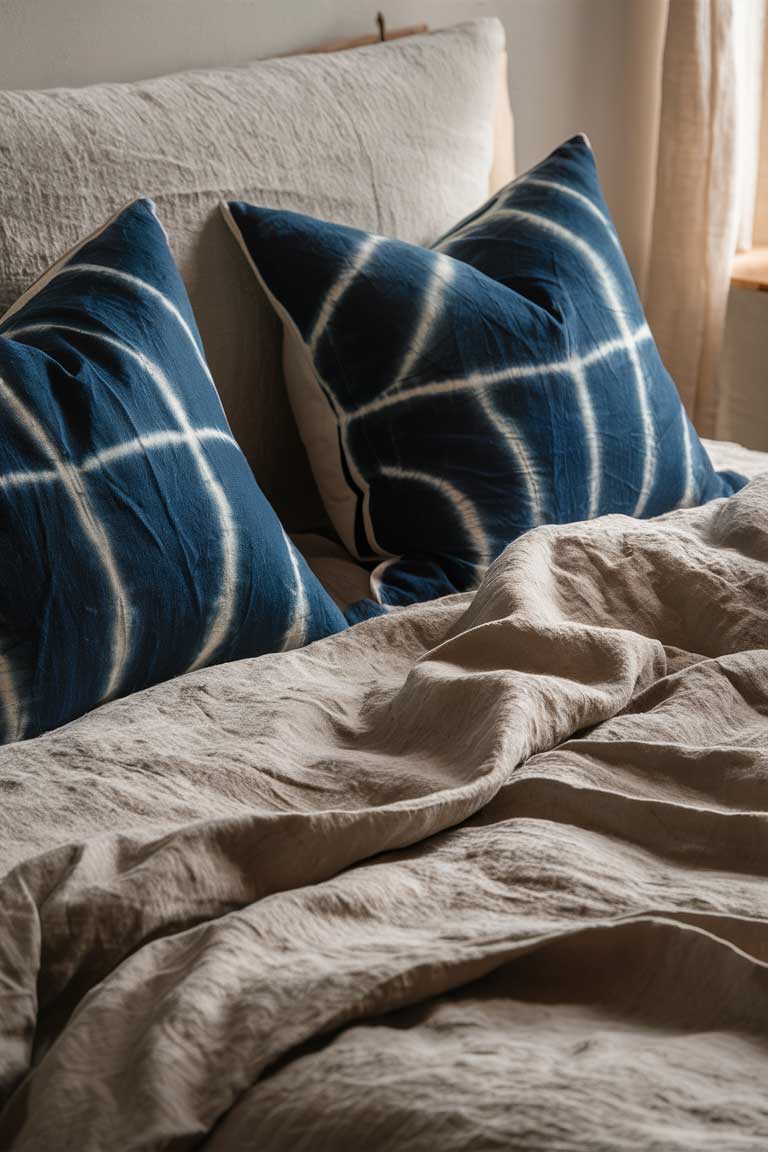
{"x": 487, "y": 872}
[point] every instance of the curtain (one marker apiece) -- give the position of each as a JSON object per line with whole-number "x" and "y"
{"x": 760, "y": 213}
{"x": 707, "y": 174}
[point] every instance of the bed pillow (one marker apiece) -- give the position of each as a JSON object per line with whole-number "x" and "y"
{"x": 134, "y": 541}
{"x": 396, "y": 137}
{"x": 452, "y": 398}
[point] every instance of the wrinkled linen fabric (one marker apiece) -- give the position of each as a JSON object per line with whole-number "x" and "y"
{"x": 736, "y": 458}
{"x": 485, "y": 873}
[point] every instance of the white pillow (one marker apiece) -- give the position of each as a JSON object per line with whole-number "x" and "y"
{"x": 395, "y": 138}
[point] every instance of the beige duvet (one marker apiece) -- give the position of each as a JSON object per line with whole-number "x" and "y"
{"x": 486, "y": 874}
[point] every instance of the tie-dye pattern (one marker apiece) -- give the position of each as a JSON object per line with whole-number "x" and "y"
{"x": 134, "y": 541}
{"x": 503, "y": 379}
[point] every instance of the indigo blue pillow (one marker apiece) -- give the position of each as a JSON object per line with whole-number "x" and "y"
{"x": 452, "y": 398}
{"x": 134, "y": 541}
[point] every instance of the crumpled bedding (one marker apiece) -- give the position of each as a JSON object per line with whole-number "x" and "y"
{"x": 488, "y": 873}
{"x": 725, "y": 455}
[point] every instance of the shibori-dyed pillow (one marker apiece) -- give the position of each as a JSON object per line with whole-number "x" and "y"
{"x": 134, "y": 542}
{"x": 452, "y": 398}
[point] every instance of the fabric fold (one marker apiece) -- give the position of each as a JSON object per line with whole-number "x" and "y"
{"x": 560, "y": 780}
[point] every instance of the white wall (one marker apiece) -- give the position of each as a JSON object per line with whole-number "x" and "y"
{"x": 575, "y": 65}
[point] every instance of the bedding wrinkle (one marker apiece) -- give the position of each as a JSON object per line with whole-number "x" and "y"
{"x": 486, "y": 873}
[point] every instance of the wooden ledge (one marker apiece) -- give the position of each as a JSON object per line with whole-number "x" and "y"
{"x": 365, "y": 41}
{"x": 750, "y": 270}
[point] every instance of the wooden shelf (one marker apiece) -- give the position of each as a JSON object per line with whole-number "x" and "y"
{"x": 750, "y": 270}
{"x": 366, "y": 41}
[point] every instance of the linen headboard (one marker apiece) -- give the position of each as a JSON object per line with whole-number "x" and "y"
{"x": 396, "y": 138}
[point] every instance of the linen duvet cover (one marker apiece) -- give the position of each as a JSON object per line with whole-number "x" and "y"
{"x": 488, "y": 873}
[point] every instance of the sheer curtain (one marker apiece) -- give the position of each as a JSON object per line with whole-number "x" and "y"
{"x": 708, "y": 171}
